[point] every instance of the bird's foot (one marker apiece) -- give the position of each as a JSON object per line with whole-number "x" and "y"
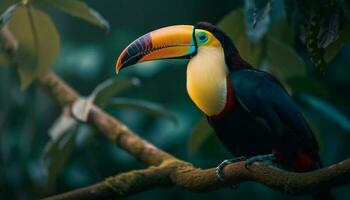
{"x": 220, "y": 167}
{"x": 260, "y": 158}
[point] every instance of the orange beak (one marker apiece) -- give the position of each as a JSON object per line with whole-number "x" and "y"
{"x": 169, "y": 42}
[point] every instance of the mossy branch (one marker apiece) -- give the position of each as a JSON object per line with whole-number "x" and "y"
{"x": 179, "y": 174}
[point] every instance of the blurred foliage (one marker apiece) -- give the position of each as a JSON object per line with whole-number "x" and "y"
{"x": 143, "y": 106}
{"x": 78, "y": 9}
{"x": 39, "y": 43}
{"x": 43, "y": 151}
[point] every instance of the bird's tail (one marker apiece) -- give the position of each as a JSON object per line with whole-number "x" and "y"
{"x": 324, "y": 195}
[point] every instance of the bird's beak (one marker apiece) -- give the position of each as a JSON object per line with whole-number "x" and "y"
{"x": 169, "y": 42}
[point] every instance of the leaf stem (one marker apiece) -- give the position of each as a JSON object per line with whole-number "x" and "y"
{"x": 34, "y": 31}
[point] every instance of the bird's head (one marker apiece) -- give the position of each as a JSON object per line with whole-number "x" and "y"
{"x": 212, "y": 55}
{"x": 179, "y": 41}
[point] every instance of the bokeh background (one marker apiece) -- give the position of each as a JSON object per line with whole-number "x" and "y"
{"x": 31, "y": 168}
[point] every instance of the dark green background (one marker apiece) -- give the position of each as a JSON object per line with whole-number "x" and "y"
{"x": 87, "y": 57}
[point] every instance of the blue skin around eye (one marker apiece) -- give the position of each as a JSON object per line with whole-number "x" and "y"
{"x": 202, "y": 41}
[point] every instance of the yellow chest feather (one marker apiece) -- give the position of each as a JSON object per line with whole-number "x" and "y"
{"x": 206, "y": 80}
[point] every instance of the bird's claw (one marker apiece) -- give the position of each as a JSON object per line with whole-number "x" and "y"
{"x": 248, "y": 162}
{"x": 259, "y": 158}
{"x": 220, "y": 167}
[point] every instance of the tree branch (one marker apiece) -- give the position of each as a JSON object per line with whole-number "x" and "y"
{"x": 204, "y": 180}
{"x": 167, "y": 170}
{"x": 110, "y": 127}
{"x": 121, "y": 185}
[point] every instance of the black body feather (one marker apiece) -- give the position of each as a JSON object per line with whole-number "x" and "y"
{"x": 263, "y": 118}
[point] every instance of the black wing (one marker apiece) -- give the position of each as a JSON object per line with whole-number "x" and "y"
{"x": 264, "y": 97}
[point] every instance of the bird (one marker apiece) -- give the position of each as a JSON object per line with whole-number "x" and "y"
{"x": 251, "y": 112}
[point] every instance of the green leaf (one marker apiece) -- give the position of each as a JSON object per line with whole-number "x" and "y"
{"x": 200, "y": 134}
{"x": 57, "y": 153}
{"x": 6, "y": 16}
{"x": 38, "y": 40}
{"x": 7, "y": 10}
{"x": 257, "y": 18}
{"x": 84, "y": 135}
{"x": 4, "y": 4}
{"x": 233, "y": 25}
{"x": 81, "y": 10}
{"x": 283, "y": 61}
{"x": 282, "y": 31}
{"x": 329, "y": 30}
{"x": 81, "y": 108}
{"x": 3, "y": 60}
{"x": 100, "y": 96}
{"x": 332, "y": 50}
{"x": 62, "y": 125}
{"x": 112, "y": 87}
{"x": 143, "y": 106}
{"x": 261, "y": 10}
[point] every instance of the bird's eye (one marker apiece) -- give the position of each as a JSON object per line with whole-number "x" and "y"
{"x": 202, "y": 37}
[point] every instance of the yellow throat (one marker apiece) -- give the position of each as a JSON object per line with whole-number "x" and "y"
{"x": 206, "y": 80}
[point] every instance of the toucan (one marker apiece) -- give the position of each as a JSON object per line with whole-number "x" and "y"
{"x": 249, "y": 109}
